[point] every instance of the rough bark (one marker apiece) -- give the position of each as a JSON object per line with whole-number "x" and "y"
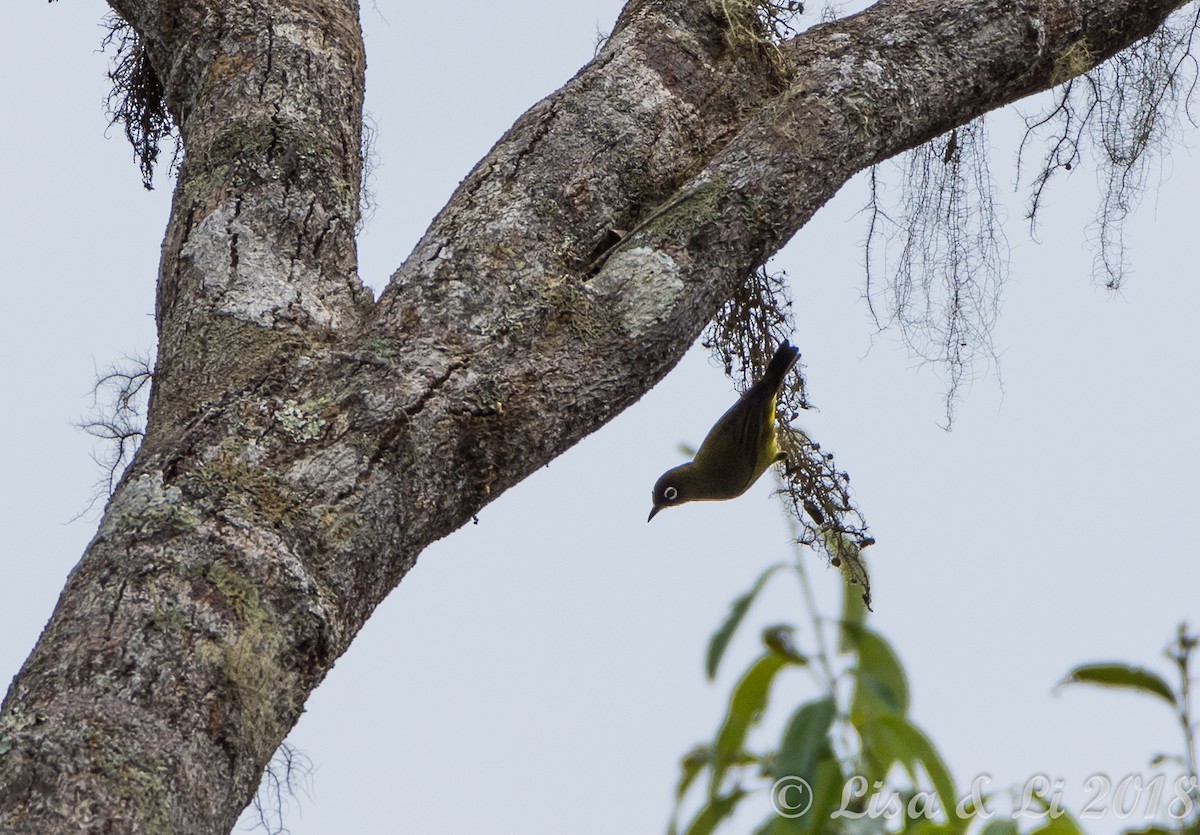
{"x": 306, "y": 443}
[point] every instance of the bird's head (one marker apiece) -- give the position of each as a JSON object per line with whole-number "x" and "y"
{"x": 673, "y": 487}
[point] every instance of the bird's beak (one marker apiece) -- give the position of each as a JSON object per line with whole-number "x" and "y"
{"x": 653, "y": 511}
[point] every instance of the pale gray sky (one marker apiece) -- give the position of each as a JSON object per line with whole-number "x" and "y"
{"x": 541, "y": 671}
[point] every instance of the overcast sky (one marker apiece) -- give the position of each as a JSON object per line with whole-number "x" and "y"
{"x": 541, "y": 671}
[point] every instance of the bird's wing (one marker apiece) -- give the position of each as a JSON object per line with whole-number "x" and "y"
{"x": 741, "y": 445}
{"x": 730, "y": 453}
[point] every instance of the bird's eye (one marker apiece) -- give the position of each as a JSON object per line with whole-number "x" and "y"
{"x": 670, "y": 493}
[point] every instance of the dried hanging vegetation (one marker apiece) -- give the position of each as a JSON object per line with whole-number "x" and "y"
{"x": 936, "y": 263}
{"x": 1127, "y": 111}
{"x": 119, "y": 401}
{"x": 287, "y": 775}
{"x": 755, "y": 28}
{"x": 936, "y": 255}
{"x": 136, "y": 101}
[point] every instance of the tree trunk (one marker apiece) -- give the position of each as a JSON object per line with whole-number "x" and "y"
{"x": 305, "y": 443}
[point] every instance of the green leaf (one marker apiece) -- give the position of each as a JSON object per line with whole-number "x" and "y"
{"x": 854, "y": 616}
{"x": 1064, "y": 824}
{"x": 924, "y": 826}
{"x": 805, "y": 753}
{"x": 691, "y": 765}
{"x": 737, "y": 611}
{"x": 893, "y": 739}
{"x": 805, "y": 740}
{"x": 826, "y": 782}
{"x": 746, "y": 704}
{"x": 1122, "y": 675}
{"x": 713, "y": 812}
{"x": 999, "y": 826}
{"x": 880, "y": 687}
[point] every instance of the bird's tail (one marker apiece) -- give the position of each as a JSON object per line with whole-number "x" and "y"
{"x": 785, "y": 357}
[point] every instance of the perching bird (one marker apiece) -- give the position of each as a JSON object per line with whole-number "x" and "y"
{"x": 737, "y": 450}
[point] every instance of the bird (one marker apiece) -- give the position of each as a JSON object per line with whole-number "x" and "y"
{"x": 738, "y": 449}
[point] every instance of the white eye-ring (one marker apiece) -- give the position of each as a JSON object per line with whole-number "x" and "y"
{"x": 670, "y": 493}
